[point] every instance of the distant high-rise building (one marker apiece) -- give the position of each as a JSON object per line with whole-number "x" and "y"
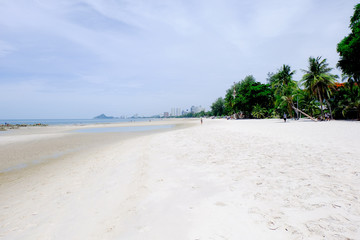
{"x": 196, "y": 109}
{"x": 175, "y": 112}
{"x": 166, "y": 114}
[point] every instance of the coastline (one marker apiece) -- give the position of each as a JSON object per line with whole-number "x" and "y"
{"x": 246, "y": 179}
{"x": 57, "y": 122}
{"x": 33, "y": 145}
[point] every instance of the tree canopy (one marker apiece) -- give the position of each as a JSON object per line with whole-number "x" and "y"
{"x": 218, "y": 107}
{"x": 285, "y": 87}
{"x": 249, "y": 94}
{"x": 349, "y": 48}
{"x": 318, "y": 80}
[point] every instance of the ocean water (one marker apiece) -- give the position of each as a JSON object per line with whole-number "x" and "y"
{"x": 124, "y": 129}
{"x": 73, "y": 121}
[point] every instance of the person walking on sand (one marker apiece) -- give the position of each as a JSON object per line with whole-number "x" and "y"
{"x": 201, "y": 121}
{"x": 284, "y": 117}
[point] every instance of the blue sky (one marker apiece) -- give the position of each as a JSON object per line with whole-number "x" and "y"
{"x": 80, "y": 58}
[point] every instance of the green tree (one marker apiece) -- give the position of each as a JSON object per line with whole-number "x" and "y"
{"x": 285, "y": 87}
{"x": 258, "y": 111}
{"x": 351, "y": 100}
{"x": 308, "y": 103}
{"x": 218, "y": 107}
{"x": 249, "y": 93}
{"x": 286, "y": 91}
{"x": 318, "y": 81}
{"x": 197, "y": 115}
{"x": 349, "y": 48}
{"x": 343, "y": 100}
{"x": 270, "y": 78}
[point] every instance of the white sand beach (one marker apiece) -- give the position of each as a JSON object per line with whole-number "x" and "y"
{"x": 243, "y": 179}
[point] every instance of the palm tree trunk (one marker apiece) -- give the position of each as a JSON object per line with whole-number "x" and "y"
{"x": 321, "y": 105}
{"x": 331, "y": 117}
{"x": 296, "y": 109}
{"x": 290, "y": 106}
{"x": 290, "y": 110}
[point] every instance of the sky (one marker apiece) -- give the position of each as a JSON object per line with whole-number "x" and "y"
{"x": 81, "y": 58}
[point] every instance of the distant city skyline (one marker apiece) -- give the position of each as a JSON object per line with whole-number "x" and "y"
{"x": 80, "y": 58}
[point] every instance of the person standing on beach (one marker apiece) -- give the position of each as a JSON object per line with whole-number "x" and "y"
{"x": 327, "y": 117}
{"x": 284, "y": 117}
{"x": 201, "y": 121}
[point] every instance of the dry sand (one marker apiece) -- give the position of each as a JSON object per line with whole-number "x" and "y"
{"x": 245, "y": 179}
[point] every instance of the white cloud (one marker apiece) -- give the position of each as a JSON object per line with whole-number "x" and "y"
{"x": 157, "y": 51}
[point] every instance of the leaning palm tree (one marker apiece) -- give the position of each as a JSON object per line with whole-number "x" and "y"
{"x": 318, "y": 81}
{"x": 285, "y": 86}
{"x": 287, "y": 89}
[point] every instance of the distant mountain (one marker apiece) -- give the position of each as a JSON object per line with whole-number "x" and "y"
{"x": 103, "y": 116}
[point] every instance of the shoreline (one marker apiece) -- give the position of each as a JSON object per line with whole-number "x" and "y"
{"x": 244, "y": 179}
{"x": 31, "y": 146}
{"x": 21, "y": 123}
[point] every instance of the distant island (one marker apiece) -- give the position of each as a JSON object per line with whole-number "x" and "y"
{"x": 103, "y": 116}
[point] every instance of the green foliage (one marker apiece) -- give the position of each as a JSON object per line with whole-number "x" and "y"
{"x": 249, "y": 93}
{"x": 285, "y": 89}
{"x": 352, "y": 101}
{"x": 218, "y": 107}
{"x": 307, "y": 103}
{"x": 346, "y": 101}
{"x": 318, "y": 80}
{"x": 197, "y": 115}
{"x": 282, "y": 79}
{"x": 270, "y": 78}
{"x": 258, "y": 112}
{"x": 349, "y": 48}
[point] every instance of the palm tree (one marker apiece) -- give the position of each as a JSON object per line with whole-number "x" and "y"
{"x": 285, "y": 86}
{"x": 312, "y": 107}
{"x": 283, "y": 77}
{"x": 258, "y": 112}
{"x": 318, "y": 81}
{"x": 287, "y": 89}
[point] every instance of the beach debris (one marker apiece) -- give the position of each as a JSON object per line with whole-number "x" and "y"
{"x": 272, "y": 225}
{"x": 7, "y": 126}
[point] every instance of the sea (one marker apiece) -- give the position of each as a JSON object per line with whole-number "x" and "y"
{"x": 88, "y": 130}
{"x": 73, "y": 121}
